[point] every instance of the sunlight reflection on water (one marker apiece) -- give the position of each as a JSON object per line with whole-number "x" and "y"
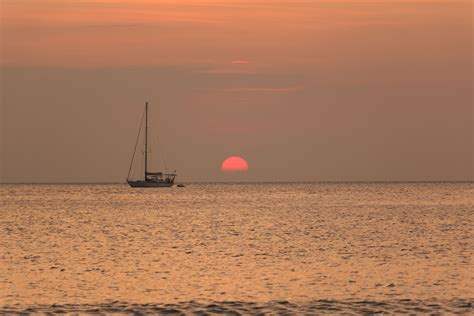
{"x": 244, "y": 243}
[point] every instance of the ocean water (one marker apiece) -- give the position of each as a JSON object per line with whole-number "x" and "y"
{"x": 306, "y": 248}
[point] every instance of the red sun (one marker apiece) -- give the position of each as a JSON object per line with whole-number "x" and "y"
{"x": 233, "y": 164}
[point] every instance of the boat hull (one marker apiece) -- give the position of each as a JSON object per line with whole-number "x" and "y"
{"x": 150, "y": 184}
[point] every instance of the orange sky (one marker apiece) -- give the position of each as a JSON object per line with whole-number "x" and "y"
{"x": 341, "y": 90}
{"x": 109, "y": 33}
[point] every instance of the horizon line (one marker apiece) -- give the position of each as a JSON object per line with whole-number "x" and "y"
{"x": 252, "y": 182}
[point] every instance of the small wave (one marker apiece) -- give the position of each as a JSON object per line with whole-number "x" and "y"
{"x": 403, "y": 306}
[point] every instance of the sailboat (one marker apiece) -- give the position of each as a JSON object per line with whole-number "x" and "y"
{"x": 150, "y": 179}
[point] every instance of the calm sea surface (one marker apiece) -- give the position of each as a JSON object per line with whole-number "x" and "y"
{"x": 246, "y": 248}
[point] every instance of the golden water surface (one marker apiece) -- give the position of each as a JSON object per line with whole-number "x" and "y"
{"x": 247, "y": 248}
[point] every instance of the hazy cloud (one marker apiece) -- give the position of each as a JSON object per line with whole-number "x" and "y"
{"x": 263, "y": 89}
{"x": 239, "y": 62}
{"x": 230, "y": 71}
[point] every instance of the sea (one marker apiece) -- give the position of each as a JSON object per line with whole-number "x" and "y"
{"x": 236, "y": 248}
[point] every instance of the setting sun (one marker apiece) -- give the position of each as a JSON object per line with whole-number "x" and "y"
{"x": 233, "y": 164}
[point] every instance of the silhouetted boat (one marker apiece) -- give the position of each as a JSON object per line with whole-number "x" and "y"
{"x": 150, "y": 179}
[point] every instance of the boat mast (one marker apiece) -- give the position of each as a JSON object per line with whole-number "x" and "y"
{"x": 136, "y": 144}
{"x": 146, "y": 139}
